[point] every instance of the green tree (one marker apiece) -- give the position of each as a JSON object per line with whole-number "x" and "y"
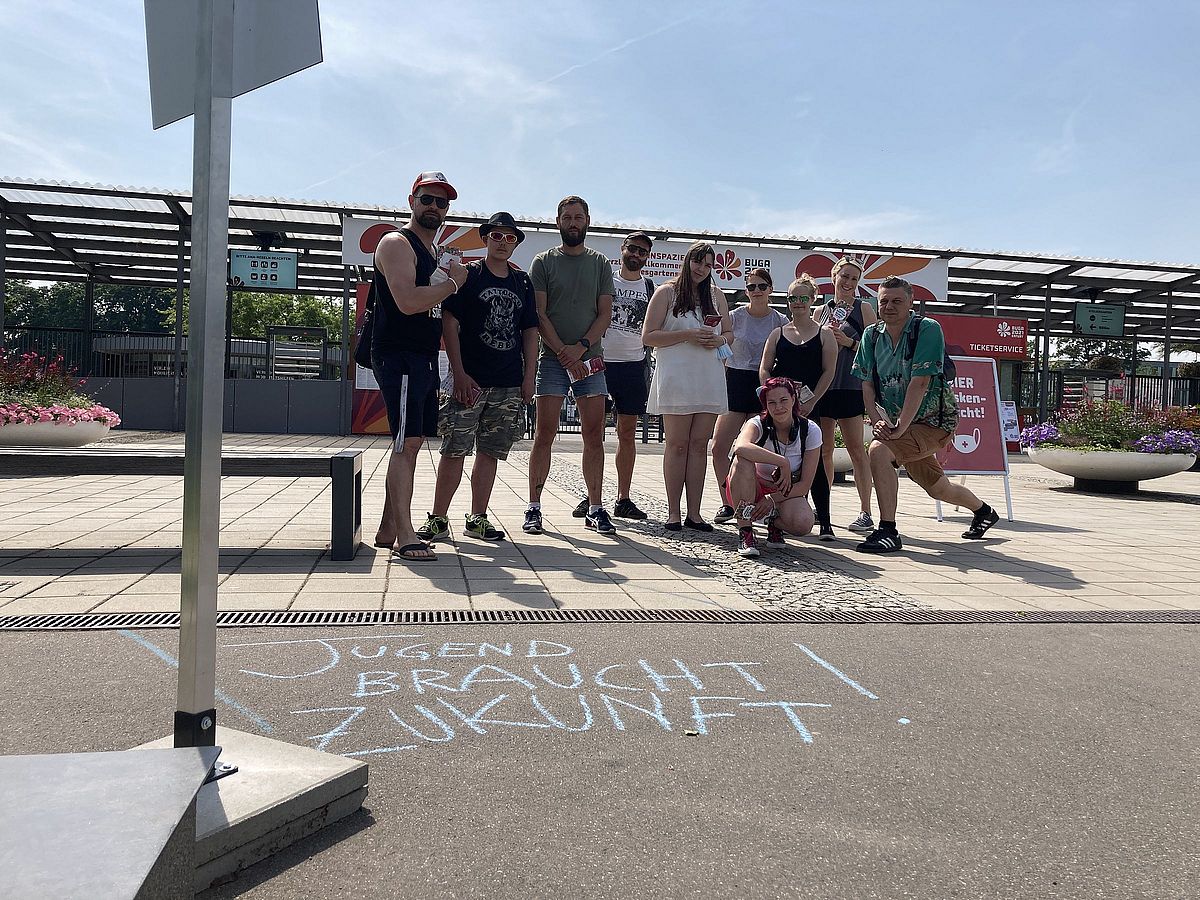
{"x": 253, "y": 312}
{"x": 1081, "y": 353}
{"x": 56, "y": 305}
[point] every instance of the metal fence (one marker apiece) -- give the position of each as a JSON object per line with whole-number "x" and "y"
{"x": 286, "y": 353}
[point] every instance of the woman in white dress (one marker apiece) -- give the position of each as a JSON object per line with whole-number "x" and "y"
{"x": 688, "y": 324}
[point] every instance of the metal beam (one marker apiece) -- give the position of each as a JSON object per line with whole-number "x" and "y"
{"x": 195, "y": 713}
{"x": 52, "y": 242}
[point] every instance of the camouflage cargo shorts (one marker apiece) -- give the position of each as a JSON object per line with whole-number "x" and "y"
{"x": 495, "y": 422}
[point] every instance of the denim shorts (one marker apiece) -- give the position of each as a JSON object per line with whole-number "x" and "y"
{"x": 553, "y": 381}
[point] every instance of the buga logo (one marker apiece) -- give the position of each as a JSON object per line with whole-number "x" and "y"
{"x": 727, "y": 265}
{"x": 1003, "y": 329}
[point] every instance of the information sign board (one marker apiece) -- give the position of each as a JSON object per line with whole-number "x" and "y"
{"x": 1100, "y": 319}
{"x": 262, "y": 270}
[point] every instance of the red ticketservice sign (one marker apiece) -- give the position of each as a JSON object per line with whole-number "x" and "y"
{"x": 978, "y": 445}
{"x": 994, "y": 337}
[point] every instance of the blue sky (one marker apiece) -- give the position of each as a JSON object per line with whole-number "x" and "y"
{"x": 1058, "y": 127}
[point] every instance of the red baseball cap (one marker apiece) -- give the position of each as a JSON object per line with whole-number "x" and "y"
{"x": 429, "y": 178}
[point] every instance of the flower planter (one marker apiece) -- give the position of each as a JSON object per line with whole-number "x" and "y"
{"x": 51, "y": 434}
{"x": 841, "y": 461}
{"x": 1110, "y": 471}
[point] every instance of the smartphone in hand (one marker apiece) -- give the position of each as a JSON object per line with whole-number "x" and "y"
{"x": 883, "y": 416}
{"x": 712, "y": 321}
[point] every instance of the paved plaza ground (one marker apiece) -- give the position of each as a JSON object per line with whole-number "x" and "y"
{"x": 110, "y": 543}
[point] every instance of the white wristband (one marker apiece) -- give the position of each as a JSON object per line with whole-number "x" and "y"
{"x": 457, "y": 286}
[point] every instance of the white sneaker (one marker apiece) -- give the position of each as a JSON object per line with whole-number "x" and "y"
{"x": 863, "y": 524}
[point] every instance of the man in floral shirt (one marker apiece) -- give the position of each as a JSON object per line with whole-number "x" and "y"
{"x": 913, "y": 413}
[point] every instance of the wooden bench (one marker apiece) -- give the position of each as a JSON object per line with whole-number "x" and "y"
{"x": 343, "y": 466}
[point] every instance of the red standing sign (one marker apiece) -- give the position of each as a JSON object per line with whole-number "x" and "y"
{"x": 978, "y": 445}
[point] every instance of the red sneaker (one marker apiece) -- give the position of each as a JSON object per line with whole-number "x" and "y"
{"x": 747, "y": 546}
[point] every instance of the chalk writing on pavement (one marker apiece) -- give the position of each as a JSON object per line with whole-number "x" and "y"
{"x": 421, "y": 691}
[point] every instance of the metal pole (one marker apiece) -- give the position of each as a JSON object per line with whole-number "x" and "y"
{"x": 1133, "y": 353}
{"x": 3, "y": 266}
{"x": 195, "y": 715}
{"x": 1166, "y": 376}
{"x": 177, "y": 363}
{"x": 344, "y": 368}
{"x": 1044, "y": 377}
{"x": 89, "y": 324}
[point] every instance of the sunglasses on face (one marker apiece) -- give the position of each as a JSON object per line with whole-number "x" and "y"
{"x": 799, "y": 298}
{"x": 501, "y": 238}
{"x": 636, "y": 250}
{"x": 430, "y": 200}
{"x": 757, "y": 286}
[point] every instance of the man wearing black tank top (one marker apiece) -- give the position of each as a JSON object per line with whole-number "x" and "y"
{"x": 407, "y": 333}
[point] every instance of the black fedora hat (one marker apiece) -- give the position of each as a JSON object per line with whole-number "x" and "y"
{"x": 501, "y": 220}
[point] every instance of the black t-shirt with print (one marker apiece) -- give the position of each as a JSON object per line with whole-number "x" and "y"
{"x": 492, "y": 315}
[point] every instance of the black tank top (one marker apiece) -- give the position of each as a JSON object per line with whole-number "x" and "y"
{"x": 801, "y": 363}
{"x": 394, "y": 330}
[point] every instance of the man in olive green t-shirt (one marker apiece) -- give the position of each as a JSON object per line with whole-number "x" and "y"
{"x": 573, "y": 287}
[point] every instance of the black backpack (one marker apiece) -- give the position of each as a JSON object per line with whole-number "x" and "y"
{"x": 949, "y": 370}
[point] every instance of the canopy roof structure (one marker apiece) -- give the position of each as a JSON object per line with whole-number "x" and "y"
{"x": 53, "y": 231}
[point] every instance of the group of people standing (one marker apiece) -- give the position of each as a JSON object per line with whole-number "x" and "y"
{"x": 756, "y": 393}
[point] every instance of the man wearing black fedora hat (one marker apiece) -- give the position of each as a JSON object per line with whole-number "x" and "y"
{"x": 490, "y": 330}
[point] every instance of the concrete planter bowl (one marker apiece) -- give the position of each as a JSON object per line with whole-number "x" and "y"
{"x": 1110, "y": 471}
{"x": 51, "y": 434}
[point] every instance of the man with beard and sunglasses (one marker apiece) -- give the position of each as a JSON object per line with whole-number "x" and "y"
{"x": 405, "y": 339}
{"x": 627, "y": 365}
{"x": 573, "y": 288}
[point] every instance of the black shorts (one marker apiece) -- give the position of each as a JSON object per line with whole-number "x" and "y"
{"x": 628, "y": 385}
{"x": 741, "y": 391}
{"x": 841, "y": 405}
{"x": 409, "y": 384}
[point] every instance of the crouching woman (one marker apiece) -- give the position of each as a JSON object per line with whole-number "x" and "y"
{"x": 775, "y": 458}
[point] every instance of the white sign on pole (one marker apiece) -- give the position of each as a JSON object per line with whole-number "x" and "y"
{"x": 271, "y": 40}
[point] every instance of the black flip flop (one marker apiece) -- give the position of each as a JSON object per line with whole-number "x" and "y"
{"x": 408, "y": 549}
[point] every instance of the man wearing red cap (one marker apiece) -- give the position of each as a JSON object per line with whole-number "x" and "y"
{"x": 407, "y": 333}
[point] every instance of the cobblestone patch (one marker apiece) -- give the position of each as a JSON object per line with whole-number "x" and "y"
{"x": 799, "y": 577}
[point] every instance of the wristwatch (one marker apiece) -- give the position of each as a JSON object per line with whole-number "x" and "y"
{"x": 585, "y": 343}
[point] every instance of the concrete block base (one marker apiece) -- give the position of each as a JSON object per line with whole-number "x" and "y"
{"x": 280, "y": 794}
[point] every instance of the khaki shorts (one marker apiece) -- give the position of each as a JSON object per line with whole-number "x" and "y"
{"x": 916, "y": 450}
{"x": 495, "y": 422}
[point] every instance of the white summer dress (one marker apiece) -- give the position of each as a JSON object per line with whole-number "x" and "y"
{"x": 687, "y": 379}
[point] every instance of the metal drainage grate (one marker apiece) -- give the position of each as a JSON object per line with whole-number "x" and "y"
{"x": 102, "y": 621}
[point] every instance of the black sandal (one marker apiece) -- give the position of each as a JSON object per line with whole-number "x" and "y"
{"x": 697, "y": 526}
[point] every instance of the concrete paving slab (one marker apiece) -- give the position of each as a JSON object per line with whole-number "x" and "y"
{"x": 280, "y": 794}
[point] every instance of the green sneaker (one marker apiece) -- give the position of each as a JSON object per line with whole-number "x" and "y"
{"x": 480, "y": 527}
{"x": 436, "y": 528}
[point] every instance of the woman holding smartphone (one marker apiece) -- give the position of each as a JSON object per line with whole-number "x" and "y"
{"x": 846, "y": 317}
{"x": 688, "y": 324}
{"x": 806, "y": 353}
{"x": 752, "y": 325}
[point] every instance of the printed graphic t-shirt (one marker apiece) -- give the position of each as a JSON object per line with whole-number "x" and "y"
{"x": 492, "y": 314}
{"x": 573, "y": 286}
{"x": 623, "y": 340}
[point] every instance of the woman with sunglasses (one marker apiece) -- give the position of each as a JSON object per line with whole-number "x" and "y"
{"x": 775, "y": 459}
{"x": 806, "y": 353}
{"x": 688, "y": 324}
{"x": 752, "y": 325}
{"x": 846, "y": 317}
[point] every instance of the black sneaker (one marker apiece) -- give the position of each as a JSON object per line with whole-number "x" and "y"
{"x": 533, "y": 521}
{"x": 981, "y": 524}
{"x": 826, "y": 533}
{"x": 599, "y": 522}
{"x": 581, "y": 508}
{"x": 436, "y": 528}
{"x": 627, "y": 509}
{"x": 479, "y": 527}
{"x": 880, "y": 541}
{"x": 724, "y": 515}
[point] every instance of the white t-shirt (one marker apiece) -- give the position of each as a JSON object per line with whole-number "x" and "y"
{"x": 623, "y": 340}
{"x": 790, "y": 451}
